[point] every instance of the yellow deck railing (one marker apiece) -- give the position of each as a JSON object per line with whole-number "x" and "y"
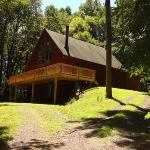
{"x": 59, "y": 70}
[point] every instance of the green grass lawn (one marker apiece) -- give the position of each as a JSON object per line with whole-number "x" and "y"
{"x": 135, "y": 103}
{"x": 9, "y": 120}
{"x": 52, "y": 120}
{"x": 92, "y": 104}
{"x": 120, "y": 120}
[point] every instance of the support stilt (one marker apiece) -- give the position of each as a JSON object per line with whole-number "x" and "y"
{"x": 32, "y": 95}
{"x": 10, "y": 94}
{"x": 55, "y": 90}
{"x": 15, "y": 96}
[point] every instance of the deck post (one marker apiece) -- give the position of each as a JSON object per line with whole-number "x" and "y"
{"x": 32, "y": 94}
{"x": 55, "y": 90}
{"x": 10, "y": 93}
{"x": 15, "y": 96}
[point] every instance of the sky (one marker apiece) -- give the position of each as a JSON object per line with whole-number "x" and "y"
{"x": 74, "y": 4}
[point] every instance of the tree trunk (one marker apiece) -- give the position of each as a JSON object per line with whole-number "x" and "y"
{"x": 108, "y": 50}
{"x": 2, "y": 43}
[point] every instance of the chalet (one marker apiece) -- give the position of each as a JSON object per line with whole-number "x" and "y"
{"x": 59, "y": 65}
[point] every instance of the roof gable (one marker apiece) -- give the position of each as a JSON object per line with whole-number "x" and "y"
{"x": 82, "y": 50}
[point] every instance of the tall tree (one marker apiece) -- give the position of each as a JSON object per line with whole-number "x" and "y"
{"x": 91, "y": 8}
{"x": 87, "y": 8}
{"x": 108, "y": 50}
{"x": 82, "y": 29}
{"x": 68, "y": 10}
{"x": 19, "y": 30}
{"x": 52, "y": 20}
{"x": 93, "y": 13}
{"x": 64, "y": 16}
{"x": 132, "y": 38}
{"x": 36, "y": 5}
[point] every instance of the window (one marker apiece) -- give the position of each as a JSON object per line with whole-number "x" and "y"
{"x": 41, "y": 57}
{"x": 45, "y": 55}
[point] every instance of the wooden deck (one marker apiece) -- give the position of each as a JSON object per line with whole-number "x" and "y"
{"x": 60, "y": 71}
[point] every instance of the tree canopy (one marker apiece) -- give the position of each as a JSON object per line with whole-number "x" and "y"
{"x": 132, "y": 38}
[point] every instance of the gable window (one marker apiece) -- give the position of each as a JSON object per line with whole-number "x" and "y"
{"x": 45, "y": 55}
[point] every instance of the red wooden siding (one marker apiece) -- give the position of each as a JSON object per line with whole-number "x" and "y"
{"x": 33, "y": 61}
{"x": 120, "y": 79}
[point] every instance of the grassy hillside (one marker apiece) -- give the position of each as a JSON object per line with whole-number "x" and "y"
{"x": 92, "y": 104}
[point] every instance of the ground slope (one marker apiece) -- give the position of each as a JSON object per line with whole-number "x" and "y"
{"x": 91, "y": 123}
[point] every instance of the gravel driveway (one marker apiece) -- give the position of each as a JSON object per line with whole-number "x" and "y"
{"x": 78, "y": 135}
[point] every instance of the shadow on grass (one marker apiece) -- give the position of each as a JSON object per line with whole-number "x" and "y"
{"x": 137, "y": 107}
{"x": 3, "y": 104}
{"x": 118, "y": 101}
{"x": 37, "y": 144}
{"x": 4, "y": 138}
{"x": 33, "y": 144}
{"x": 7, "y": 104}
{"x": 133, "y": 129}
{"x": 148, "y": 94}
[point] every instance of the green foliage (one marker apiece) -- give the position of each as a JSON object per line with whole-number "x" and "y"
{"x": 132, "y": 40}
{"x": 64, "y": 19}
{"x": 91, "y": 8}
{"x": 87, "y": 29}
{"x": 68, "y": 10}
{"x": 56, "y": 20}
{"x": 96, "y": 27}
{"x": 51, "y": 14}
{"x": 78, "y": 24}
{"x": 89, "y": 23}
{"x": 147, "y": 116}
{"x": 84, "y": 36}
{"x": 20, "y": 28}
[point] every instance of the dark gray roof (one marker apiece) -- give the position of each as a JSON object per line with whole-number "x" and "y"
{"x": 83, "y": 50}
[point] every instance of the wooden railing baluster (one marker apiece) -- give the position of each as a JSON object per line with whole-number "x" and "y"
{"x": 59, "y": 70}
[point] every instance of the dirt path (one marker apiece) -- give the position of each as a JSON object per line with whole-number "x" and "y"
{"x": 31, "y": 136}
{"x": 78, "y": 136}
{"x": 84, "y": 136}
{"x": 132, "y": 136}
{"x": 30, "y": 129}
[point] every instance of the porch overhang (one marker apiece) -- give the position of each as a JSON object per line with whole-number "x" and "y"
{"x": 60, "y": 71}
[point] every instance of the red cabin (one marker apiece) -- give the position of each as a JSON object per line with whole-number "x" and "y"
{"x": 60, "y": 65}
